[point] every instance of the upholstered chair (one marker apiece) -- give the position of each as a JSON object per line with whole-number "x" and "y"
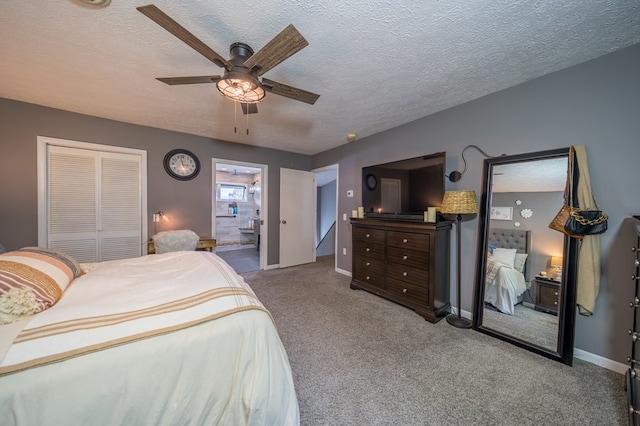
{"x": 179, "y": 240}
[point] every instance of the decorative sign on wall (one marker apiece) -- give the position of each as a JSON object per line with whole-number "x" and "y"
{"x": 501, "y": 213}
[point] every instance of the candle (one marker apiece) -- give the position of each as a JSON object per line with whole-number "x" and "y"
{"x": 354, "y": 213}
{"x": 379, "y": 210}
{"x": 426, "y": 216}
{"x": 361, "y": 212}
{"x": 431, "y": 214}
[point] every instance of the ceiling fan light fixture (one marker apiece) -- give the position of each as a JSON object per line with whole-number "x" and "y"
{"x": 241, "y": 87}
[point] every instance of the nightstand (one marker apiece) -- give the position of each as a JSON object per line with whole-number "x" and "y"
{"x": 205, "y": 243}
{"x": 547, "y": 295}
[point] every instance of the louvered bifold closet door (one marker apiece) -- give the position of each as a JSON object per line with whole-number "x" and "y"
{"x": 94, "y": 204}
{"x": 120, "y": 207}
{"x": 72, "y": 207}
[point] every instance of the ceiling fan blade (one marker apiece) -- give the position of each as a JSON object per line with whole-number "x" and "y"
{"x": 249, "y": 108}
{"x": 282, "y": 46}
{"x": 289, "y": 91}
{"x": 172, "y": 81}
{"x": 162, "y": 19}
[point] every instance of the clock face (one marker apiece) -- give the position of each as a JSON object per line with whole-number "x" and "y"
{"x": 181, "y": 164}
{"x": 372, "y": 182}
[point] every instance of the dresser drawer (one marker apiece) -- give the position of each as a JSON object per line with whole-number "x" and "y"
{"x": 407, "y": 274}
{"x": 549, "y": 296}
{"x": 410, "y": 293}
{"x": 372, "y": 275}
{"x": 369, "y": 265}
{"x": 408, "y": 240}
{"x": 406, "y": 257}
{"x": 367, "y": 249}
{"x": 375, "y": 236}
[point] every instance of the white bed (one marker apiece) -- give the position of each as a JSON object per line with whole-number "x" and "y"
{"x": 165, "y": 339}
{"x": 506, "y": 266}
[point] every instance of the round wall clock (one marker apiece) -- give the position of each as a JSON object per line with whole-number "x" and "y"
{"x": 371, "y": 181}
{"x": 181, "y": 164}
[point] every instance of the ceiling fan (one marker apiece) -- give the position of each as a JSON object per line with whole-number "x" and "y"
{"x": 241, "y": 81}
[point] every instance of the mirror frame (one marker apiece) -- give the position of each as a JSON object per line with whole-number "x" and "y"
{"x": 567, "y": 308}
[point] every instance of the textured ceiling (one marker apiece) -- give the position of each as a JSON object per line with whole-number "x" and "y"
{"x": 531, "y": 176}
{"x": 376, "y": 64}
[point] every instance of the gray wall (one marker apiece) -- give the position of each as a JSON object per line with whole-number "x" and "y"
{"x": 189, "y": 202}
{"x": 545, "y": 242}
{"x": 596, "y": 104}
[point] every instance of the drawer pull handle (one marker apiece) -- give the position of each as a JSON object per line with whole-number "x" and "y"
{"x": 367, "y": 249}
{"x": 404, "y": 290}
{"x": 555, "y": 303}
{"x": 368, "y": 277}
{"x": 368, "y": 235}
{"x": 405, "y": 257}
{"x": 404, "y": 240}
{"x": 556, "y": 293}
{"x": 368, "y": 263}
{"x": 404, "y": 274}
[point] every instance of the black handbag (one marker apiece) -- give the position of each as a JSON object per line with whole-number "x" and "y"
{"x": 586, "y": 222}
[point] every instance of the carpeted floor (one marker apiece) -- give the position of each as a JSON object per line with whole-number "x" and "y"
{"x": 358, "y": 359}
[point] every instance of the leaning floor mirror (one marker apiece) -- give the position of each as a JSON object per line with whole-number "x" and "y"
{"x": 526, "y": 278}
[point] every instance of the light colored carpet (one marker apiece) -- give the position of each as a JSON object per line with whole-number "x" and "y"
{"x": 358, "y": 359}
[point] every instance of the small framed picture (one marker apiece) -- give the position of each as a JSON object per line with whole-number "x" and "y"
{"x": 501, "y": 213}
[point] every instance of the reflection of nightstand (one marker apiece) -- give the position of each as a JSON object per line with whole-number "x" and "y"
{"x": 547, "y": 295}
{"x": 205, "y": 243}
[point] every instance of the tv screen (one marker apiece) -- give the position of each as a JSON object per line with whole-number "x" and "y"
{"x": 404, "y": 187}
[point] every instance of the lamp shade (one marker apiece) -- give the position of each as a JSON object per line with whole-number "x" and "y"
{"x": 459, "y": 202}
{"x": 556, "y": 261}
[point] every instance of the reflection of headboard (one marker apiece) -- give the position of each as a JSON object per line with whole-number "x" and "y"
{"x": 513, "y": 239}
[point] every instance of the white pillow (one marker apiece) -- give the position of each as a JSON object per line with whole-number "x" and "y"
{"x": 519, "y": 262}
{"x": 506, "y": 256}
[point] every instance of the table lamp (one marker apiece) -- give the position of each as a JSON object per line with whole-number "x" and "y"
{"x": 556, "y": 262}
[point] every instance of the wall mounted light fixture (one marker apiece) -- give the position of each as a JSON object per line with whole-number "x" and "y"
{"x": 157, "y": 217}
{"x": 455, "y": 175}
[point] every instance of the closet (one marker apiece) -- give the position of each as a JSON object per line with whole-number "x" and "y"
{"x": 91, "y": 199}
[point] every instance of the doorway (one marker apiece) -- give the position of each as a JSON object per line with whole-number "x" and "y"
{"x": 239, "y": 209}
{"x": 327, "y": 211}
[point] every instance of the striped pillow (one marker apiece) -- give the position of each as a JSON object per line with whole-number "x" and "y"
{"x": 43, "y": 271}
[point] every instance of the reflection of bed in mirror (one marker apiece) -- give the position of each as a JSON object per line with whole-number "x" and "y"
{"x": 507, "y": 259}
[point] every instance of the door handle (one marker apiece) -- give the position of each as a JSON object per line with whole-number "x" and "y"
{"x": 284, "y": 222}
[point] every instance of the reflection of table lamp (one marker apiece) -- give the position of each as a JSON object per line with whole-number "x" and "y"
{"x": 556, "y": 262}
{"x": 459, "y": 203}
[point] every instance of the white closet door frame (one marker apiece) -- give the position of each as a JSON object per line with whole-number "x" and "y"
{"x": 43, "y": 142}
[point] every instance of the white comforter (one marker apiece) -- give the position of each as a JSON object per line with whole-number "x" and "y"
{"x": 503, "y": 286}
{"x": 176, "y": 338}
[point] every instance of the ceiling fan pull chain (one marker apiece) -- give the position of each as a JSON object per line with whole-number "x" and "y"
{"x": 235, "y": 117}
{"x": 247, "y": 119}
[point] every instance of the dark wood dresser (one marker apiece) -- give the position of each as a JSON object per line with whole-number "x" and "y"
{"x": 405, "y": 261}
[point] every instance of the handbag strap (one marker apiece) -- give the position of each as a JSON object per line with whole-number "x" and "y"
{"x": 568, "y": 186}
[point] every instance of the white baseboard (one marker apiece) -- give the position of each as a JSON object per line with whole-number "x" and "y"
{"x": 343, "y": 272}
{"x": 600, "y": 361}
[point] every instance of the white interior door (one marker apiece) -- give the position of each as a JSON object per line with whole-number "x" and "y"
{"x": 390, "y": 195}
{"x": 297, "y": 217}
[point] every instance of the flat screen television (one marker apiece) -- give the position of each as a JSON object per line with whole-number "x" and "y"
{"x": 405, "y": 187}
